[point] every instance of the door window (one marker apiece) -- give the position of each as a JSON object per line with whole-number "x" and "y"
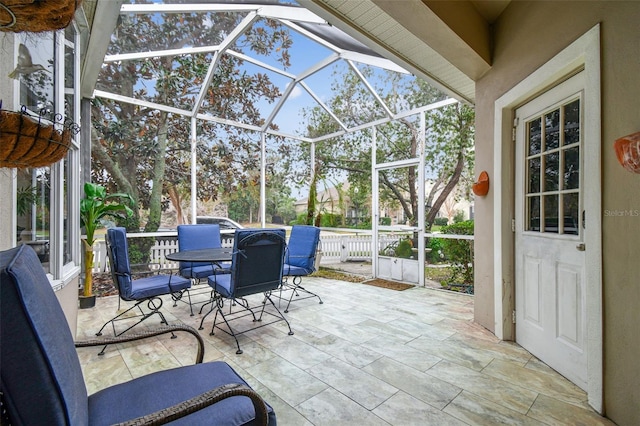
{"x": 553, "y": 170}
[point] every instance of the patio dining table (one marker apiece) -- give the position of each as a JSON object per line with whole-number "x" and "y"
{"x": 213, "y": 255}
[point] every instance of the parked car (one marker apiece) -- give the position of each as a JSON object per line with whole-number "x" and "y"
{"x": 224, "y": 222}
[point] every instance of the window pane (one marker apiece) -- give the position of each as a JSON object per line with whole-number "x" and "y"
{"x": 571, "y": 212}
{"x": 533, "y": 213}
{"x": 552, "y": 130}
{"x": 572, "y": 168}
{"x": 534, "y": 175}
{"x": 551, "y": 213}
{"x": 572, "y": 122}
{"x": 33, "y": 201}
{"x": 67, "y": 209}
{"x": 36, "y": 80}
{"x": 534, "y": 136}
{"x": 551, "y": 166}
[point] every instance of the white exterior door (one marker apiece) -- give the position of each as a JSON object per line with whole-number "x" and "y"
{"x": 549, "y": 229}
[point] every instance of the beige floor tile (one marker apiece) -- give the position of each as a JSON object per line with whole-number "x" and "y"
{"x": 404, "y": 410}
{"x": 464, "y": 355}
{"x": 332, "y": 408}
{"x": 475, "y": 410}
{"x": 499, "y": 391}
{"x": 358, "y": 385}
{"x": 558, "y": 413}
{"x": 551, "y": 384}
{"x": 425, "y": 387}
{"x": 289, "y": 382}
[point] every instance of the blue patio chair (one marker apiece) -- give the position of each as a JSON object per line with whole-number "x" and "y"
{"x": 300, "y": 261}
{"x": 145, "y": 290}
{"x": 256, "y": 268}
{"x": 41, "y": 378}
{"x": 194, "y": 237}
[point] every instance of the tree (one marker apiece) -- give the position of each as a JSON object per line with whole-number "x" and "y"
{"x": 449, "y": 146}
{"x": 146, "y": 152}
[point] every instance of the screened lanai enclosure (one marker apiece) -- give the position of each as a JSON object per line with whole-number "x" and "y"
{"x": 198, "y": 100}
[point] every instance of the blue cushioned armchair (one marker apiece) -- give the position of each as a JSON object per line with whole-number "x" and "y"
{"x": 300, "y": 261}
{"x": 256, "y": 268}
{"x": 195, "y": 237}
{"x": 141, "y": 291}
{"x": 41, "y": 380}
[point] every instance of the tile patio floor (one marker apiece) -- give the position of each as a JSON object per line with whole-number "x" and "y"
{"x": 368, "y": 355}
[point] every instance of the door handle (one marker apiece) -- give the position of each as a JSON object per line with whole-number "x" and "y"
{"x": 580, "y": 247}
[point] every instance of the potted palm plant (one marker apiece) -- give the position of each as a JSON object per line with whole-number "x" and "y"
{"x": 94, "y": 208}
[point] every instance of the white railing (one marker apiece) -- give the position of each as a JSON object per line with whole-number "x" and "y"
{"x": 335, "y": 246}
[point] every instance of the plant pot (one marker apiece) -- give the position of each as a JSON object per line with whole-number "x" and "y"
{"x": 27, "y": 142}
{"x": 36, "y": 16}
{"x": 86, "y": 302}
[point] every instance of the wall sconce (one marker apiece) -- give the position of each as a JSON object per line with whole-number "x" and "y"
{"x": 481, "y": 187}
{"x": 628, "y": 151}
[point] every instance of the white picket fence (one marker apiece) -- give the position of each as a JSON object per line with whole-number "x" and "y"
{"x": 335, "y": 247}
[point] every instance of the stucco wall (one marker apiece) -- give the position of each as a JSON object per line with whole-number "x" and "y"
{"x": 526, "y": 36}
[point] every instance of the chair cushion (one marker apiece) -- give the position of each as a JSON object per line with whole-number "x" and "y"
{"x": 194, "y": 237}
{"x": 159, "y": 390}
{"x": 41, "y": 376}
{"x": 221, "y": 283}
{"x": 206, "y": 270}
{"x": 293, "y": 271}
{"x": 157, "y": 285}
{"x": 302, "y": 246}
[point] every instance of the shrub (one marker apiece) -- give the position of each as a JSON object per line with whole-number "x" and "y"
{"x": 403, "y": 249}
{"x": 436, "y": 255}
{"x": 459, "y": 252}
{"x": 331, "y": 220}
{"x": 441, "y": 221}
{"x": 385, "y": 221}
{"x": 458, "y": 217}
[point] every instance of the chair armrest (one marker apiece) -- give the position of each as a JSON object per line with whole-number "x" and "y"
{"x": 202, "y": 401}
{"x": 131, "y": 337}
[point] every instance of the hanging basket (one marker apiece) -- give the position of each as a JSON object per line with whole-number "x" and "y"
{"x": 27, "y": 141}
{"x": 36, "y": 15}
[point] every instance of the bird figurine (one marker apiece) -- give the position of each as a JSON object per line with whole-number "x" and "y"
{"x": 25, "y": 63}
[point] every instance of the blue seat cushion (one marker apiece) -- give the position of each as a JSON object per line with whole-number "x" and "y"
{"x": 157, "y": 285}
{"x": 221, "y": 284}
{"x": 163, "y": 389}
{"x": 204, "y": 271}
{"x": 292, "y": 271}
{"x": 41, "y": 375}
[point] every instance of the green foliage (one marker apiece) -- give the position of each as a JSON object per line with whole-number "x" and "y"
{"x": 95, "y": 208}
{"x": 458, "y": 217}
{"x": 365, "y": 223}
{"x": 404, "y": 248}
{"x": 330, "y": 220}
{"x": 441, "y": 221}
{"x": 26, "y": 197}
{"x": 449, "y": 154}
{"x": 459, "y": 252}
{"x": 436, "y": 255}
{"x": 148, "y": 155}
{"x": 385, "y": 221}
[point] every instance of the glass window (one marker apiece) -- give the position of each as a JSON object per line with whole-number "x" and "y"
{"x": 553, "y": 170}
{"x": 45, "y": 200}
